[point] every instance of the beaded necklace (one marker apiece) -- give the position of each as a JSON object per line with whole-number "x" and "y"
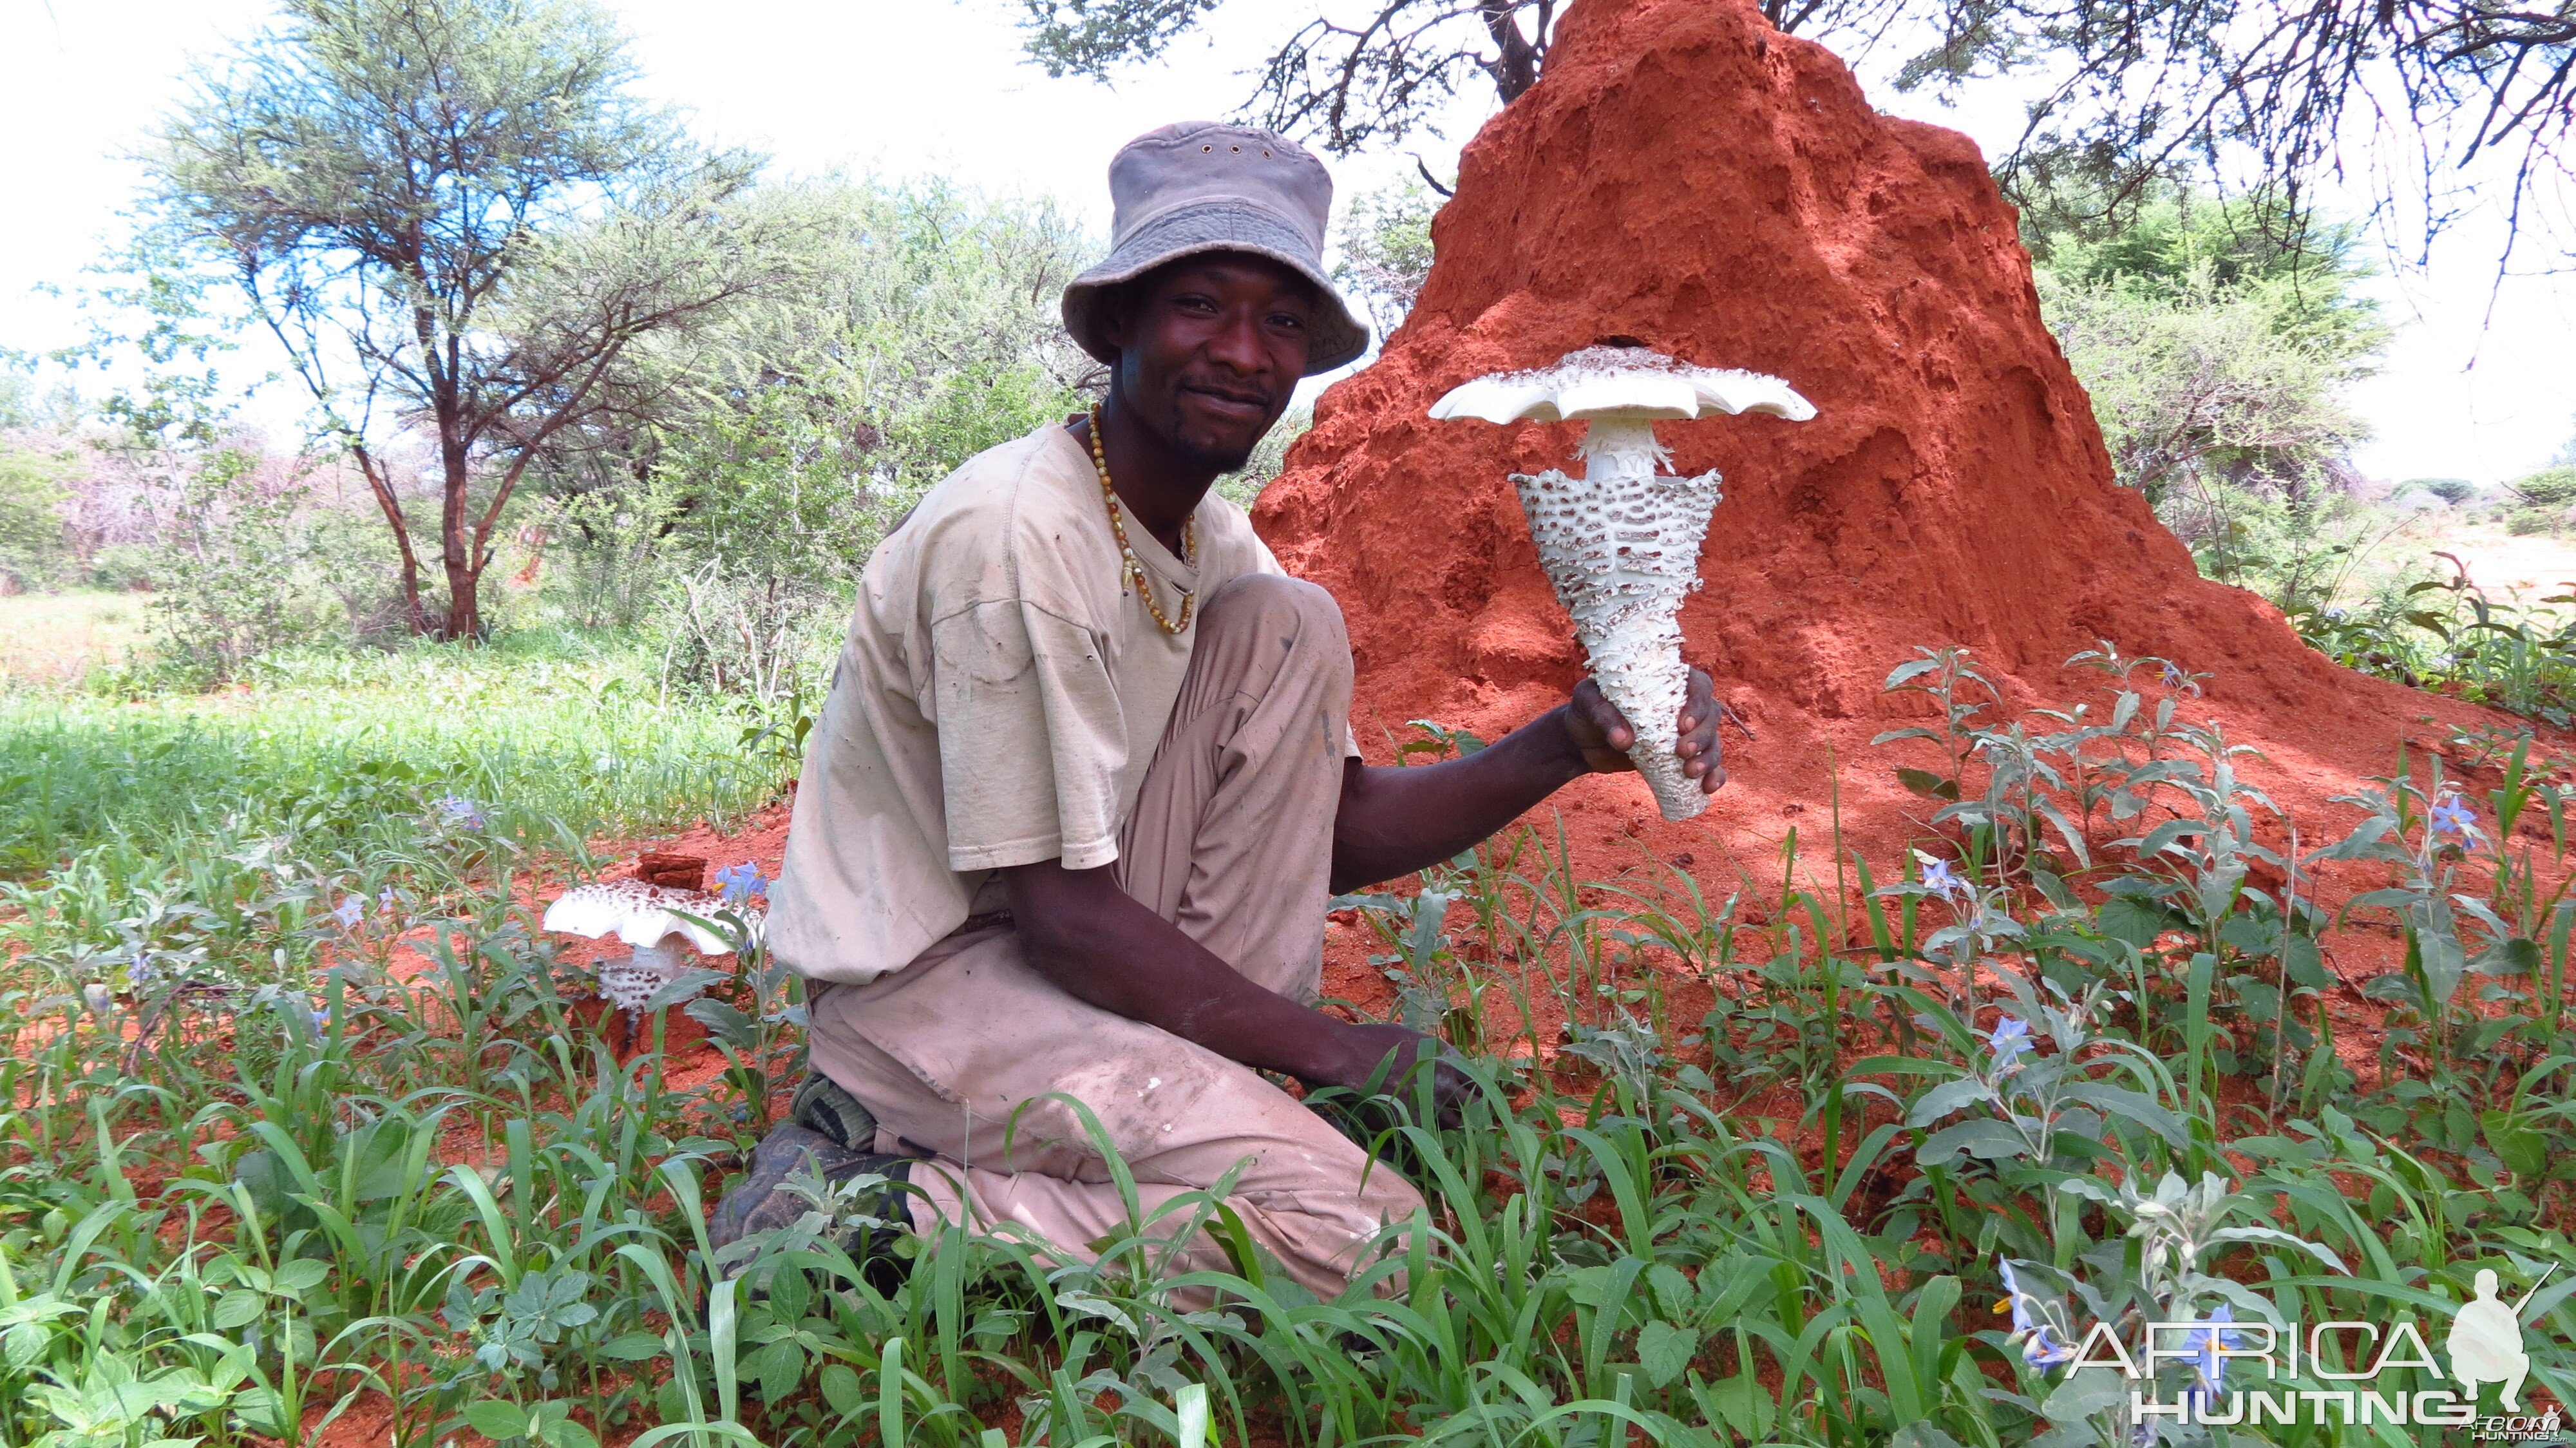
{"x": 1135, "y": 570}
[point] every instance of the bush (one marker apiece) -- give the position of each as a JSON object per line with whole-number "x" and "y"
{"x": 235, "y": 568}
{"x": 125, "y": 567}
{"x": 2302, "y": 550}
{"x": 753, "y": 635}
{"x": 782, "y": 441}
{"x": 1244, "y": 485}
{"x": 2206, "y": 380}
{"x": 2551, "y": 488}
{"x": 32, "y": 552}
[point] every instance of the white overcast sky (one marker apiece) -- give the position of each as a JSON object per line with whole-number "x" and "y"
{"x": 905, "y": 87}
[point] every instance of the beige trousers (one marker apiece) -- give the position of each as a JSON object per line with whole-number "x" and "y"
{"x": 1231, "y": 840}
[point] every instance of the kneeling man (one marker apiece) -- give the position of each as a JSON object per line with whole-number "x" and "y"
{"x": 1085, "y": 781}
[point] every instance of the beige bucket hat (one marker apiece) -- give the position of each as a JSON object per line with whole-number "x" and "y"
{"x": 1199, "y": 186}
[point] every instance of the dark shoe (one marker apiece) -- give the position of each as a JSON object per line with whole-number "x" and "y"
{"x": 765, "y": 1202}
{"x": 822, "y": 1105}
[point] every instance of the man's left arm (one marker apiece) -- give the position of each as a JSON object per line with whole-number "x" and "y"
{"x": 1393, "y": 820}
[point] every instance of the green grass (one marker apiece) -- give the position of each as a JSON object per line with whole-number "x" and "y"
{"x": 247, "y": 1191}
{"x": 210, "y": 823}
{"x": 52, "y": 639}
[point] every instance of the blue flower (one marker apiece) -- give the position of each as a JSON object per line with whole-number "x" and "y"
{"x": 2040, "y": 1347}
{"x": 320, "y": 1018}
{"x": 461, "y": 812}
{"x": 2209, "y": 1363}
{"x": 1941, "y": 880}
{"x": 2044, "y": 1351}
{"x": 2014, "y": 1299}
{"x": 98, "y": 998}
{"x": 2011, "y": 1037}
{"x": 348, "y": 910}
{"x": 743, "y": 884}
{"x": 2453, "y": 817}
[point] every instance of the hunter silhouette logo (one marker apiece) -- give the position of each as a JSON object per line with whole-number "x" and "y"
{"x": 2486, "y": 1341}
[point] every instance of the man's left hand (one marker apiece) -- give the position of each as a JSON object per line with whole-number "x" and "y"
{"x": 1603, "y": 735}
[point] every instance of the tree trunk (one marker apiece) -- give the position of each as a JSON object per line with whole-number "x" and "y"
{"x": 464, "y": 571}
{"x": 1514, "y": 67}
{"x": 391, "y": 506}
{"x": 464, "y": 611}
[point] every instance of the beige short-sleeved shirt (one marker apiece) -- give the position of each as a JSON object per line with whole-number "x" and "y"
{"x": 998, "y": 698}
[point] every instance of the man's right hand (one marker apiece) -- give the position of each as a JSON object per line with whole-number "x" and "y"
{"x": 1363, "y": 1047}
{"x": 1078, "y": 929}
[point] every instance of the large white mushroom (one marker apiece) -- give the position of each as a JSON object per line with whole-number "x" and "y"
{"x": 651, "y": 918}
{"x": 1621, "y": 543}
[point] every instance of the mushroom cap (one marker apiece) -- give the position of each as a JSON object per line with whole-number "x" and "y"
{"x": 641, "y": 914}
{"x": 1620, "y": 382}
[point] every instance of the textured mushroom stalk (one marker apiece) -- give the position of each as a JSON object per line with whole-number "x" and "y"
{"x": 1621, "y": 548}
{"x": 629, "y": 983}
{"x": 1621, "y": 543}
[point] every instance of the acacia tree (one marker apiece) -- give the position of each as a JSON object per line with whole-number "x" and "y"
{"x": 454, "y": 219}
{"x": 733, "y": 478}
{"x": 2267, "y": 97}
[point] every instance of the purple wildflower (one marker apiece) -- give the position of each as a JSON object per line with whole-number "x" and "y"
{"x": 2209, "y": 1347}
{"x": 2452, "y": 816}
{"x": 743, "y": 884}
{"x": 2044, "y": 1351}
{"x": 2014, "y": 1299}
{"x": 2011, "y": 1037}
{"x": 461, "y": 812}
{"x": 1940, "y": 879}
{"x": 2040, "y": 1347}
{"x": 347, "y": 912}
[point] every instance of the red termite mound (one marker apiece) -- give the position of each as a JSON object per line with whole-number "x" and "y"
{"x": 1689, "y": 177}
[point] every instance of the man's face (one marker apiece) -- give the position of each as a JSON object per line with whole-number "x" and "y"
{"x": 1209, "y": 352}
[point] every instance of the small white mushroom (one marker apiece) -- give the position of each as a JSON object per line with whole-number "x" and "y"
{"x": 1621, "y": 543}
{"x": 649, "y": 918}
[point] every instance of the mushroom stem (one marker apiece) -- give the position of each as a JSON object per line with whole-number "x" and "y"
{"x": 1637, "y": 661}
{"x": 1619, "y": 448}
{"x": 662, "y": 955}
{"x": 1621, "y": 547}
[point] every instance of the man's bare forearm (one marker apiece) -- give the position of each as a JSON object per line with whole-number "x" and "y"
{"x": 1397, "y": 820}
{"x": 1079, "y": 930}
